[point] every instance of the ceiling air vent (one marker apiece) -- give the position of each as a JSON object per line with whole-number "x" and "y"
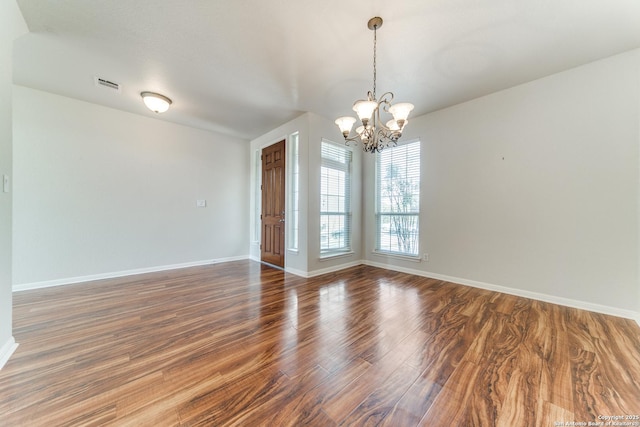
{"x": 104, "y": 83}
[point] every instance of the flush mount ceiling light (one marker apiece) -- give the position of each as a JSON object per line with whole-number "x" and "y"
{"x": 373, "y": 133}
{"x": 155, "y": 102}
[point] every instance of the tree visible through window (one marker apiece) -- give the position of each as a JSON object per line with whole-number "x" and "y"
{"x": 398, "y": 199}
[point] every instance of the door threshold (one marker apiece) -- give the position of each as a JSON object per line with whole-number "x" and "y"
{"x": 272, "y": 265}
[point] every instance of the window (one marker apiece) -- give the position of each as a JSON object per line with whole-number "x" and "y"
{"x": 293, "y": 212}
{"x": 257, "y": 195}
{"x": 335, "y": 204}
{"x": 398, "y": 199}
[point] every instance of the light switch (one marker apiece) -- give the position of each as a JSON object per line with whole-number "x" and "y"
{"x": 201, "y": 203}
{"x": 5, "y": 183}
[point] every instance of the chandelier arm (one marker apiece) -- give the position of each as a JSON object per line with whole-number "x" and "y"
{"x": 385, "y": 101}
{"x": 375, "y": 117}
{"x": 377, "y": 123}
{"x": 353, "y": 139}
{"x": 384, "y": 96}
{"x": 380, "y": 125}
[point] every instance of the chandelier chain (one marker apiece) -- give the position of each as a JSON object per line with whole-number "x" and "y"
{"x": 375, "y": 41}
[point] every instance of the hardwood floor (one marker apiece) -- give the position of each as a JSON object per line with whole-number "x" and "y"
{"x": 244, "y": 344}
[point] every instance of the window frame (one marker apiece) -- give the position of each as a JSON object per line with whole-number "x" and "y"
{"x": 379, "y": 213}
{"x": 347, "y": 168}
{"x": 293, "y": 190}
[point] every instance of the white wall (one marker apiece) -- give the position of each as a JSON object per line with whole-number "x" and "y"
{"x": 535, "y": 188}
{"x": 100, "y": 191}
{"x": 11, "y": 26}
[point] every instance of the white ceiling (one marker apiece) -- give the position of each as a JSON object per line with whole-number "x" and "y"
{"x": 244, "y": 67}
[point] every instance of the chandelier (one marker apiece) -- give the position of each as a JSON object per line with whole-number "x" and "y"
{"x": 373, "y": 134}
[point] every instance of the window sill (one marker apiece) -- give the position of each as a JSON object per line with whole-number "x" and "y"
{"x": 412, "y": 258}
{"x": 324, "y": 257}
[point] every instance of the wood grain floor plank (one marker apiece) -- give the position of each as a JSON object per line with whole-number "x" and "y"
{"x": 548, "y": 348}
{"x": 439, "y": 356}
{"x": 350, "y": 397}
{"x": 241, "y": 343}
{"x": 382, "y": 401}
{"x": 451, "y": 406}
{"x": 601, "y": 384}
{"x": 497, "y": 369}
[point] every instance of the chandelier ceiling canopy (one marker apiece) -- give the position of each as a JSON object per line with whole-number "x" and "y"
{"x": 373, "y": 134}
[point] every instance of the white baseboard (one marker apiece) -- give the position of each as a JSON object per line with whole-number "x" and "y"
{"x": 307, "y": 274}
{"x": 628, "y": 314}
{"x": 7, "y": 350}
{"x": 583, "y": 305}
{"x": 112, "y": 275}
{"x": 333, "y": 269}
{"x": 296, "y": 272}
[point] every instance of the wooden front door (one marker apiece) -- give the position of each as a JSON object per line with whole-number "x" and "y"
{"x": 273, "y": 194}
